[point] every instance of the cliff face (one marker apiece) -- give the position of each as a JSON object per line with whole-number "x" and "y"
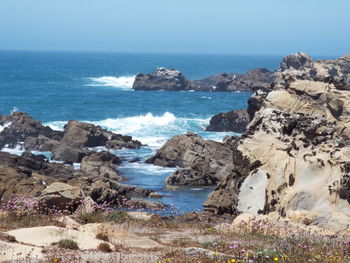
{"x": 294, "y": 158}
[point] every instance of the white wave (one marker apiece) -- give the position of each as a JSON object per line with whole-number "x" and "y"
{"x": 153, "y": 130}
{"x": 2, "y": 127}
{"x": 14, "y": 110}
{"x": 18, "y": 150}
{"x": 56, "y": 125}
{"x": 123, "y": 82}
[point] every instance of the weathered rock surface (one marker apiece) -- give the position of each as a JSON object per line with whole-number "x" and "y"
{"x": 206, "y": 162}
{"x": 174, "y": 80}
{"x": 61, "y": 196}
{"x": 294, "y": 158}
{"x": 235, "y": 121}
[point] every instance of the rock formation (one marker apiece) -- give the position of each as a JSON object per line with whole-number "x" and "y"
{"x": 174, "y": 80}
{"x": 205, "y": 162}
{"x": 29, "y": 176}
{"x": 294, "y": 158}
{"x": 235, "y": 121}
{"x": 69, "y": 146}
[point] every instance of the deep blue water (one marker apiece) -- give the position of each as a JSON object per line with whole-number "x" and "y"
{"x": 59, "y": 86}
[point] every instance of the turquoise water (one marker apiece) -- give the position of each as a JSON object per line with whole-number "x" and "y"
{"x": 96, "y": 87}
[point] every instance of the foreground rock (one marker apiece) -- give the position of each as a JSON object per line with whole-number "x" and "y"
{"x": 232, "y": 121}
{"x": 29, "y": 175}
{"x": 205, "y": 162}
{"x": 174, "y": 80}
{"x": 294, "y": 158}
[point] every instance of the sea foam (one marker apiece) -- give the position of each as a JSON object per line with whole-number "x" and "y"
{"x": 123, "y": 82}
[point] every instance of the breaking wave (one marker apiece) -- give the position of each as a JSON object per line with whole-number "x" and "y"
{"x": 123, "y": 82}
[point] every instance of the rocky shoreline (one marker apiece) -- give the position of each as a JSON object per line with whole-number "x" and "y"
{"x": 291, "y": 161}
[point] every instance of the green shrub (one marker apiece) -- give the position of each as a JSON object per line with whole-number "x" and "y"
{"x": 118, "y": 217}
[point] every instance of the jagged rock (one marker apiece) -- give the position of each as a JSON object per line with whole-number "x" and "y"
{"x": 61, "y": 196}
{"x": 79, "y": 135}
{"x": 19, "y": 126}
{"x": 101, "y": 164}
{"x": 293, "y": 159}
{"x": 208, "y": 161}
{"x": 296, "y": 61}
{"x": 162, "y": 78}
{"x": 235, "y": 121}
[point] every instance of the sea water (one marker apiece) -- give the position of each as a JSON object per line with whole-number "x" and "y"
{"x": 55, "y": 87}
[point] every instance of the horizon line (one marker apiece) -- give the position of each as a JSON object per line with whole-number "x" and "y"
{"x": 163, "y": 52}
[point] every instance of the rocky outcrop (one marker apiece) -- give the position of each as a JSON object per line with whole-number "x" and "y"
{"x": 161, "y": 79}
{"x": 79, "y": 135}
{"x": 206, "y": 161}
{"x": 174, "y": 80}
{"x": 235, "y": 121}
{"x": 296, "y": 61}
{"x": 294, "y": 157}
{"x": 19, "y": 126}
{"x": 257, "y": 78}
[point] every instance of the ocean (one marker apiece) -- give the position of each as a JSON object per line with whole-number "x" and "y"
{"x": 55, "y": 87}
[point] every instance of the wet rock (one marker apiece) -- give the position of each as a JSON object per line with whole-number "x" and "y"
{"x": 235, "y": 121}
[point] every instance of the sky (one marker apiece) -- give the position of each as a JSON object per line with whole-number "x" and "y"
{"x": 319, "y": 27}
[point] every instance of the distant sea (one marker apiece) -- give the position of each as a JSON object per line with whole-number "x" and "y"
{"x": 55, "y": 87}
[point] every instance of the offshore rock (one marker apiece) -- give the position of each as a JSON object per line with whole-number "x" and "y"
{"x": 174, "y": 80}
{"x": 162, "y": 78}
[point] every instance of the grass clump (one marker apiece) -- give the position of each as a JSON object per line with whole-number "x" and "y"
{"x": 118, "y": 217}
{"x": 68, "y": 244}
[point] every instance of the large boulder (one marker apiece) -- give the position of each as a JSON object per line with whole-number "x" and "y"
{"x": 296, "y": 61}
{"x": 61, "y": 196}
{"x": 162, "y": 78}
{"x": 80, "y": 134}
{"x": 293, "y": 160}
{"x": 235, "y": 121}
{"x": 101, "y": 164}
{"x": 207, "y": 159}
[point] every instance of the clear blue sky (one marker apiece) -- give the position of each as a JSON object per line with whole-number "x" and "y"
{"x": 319, "y": 27}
